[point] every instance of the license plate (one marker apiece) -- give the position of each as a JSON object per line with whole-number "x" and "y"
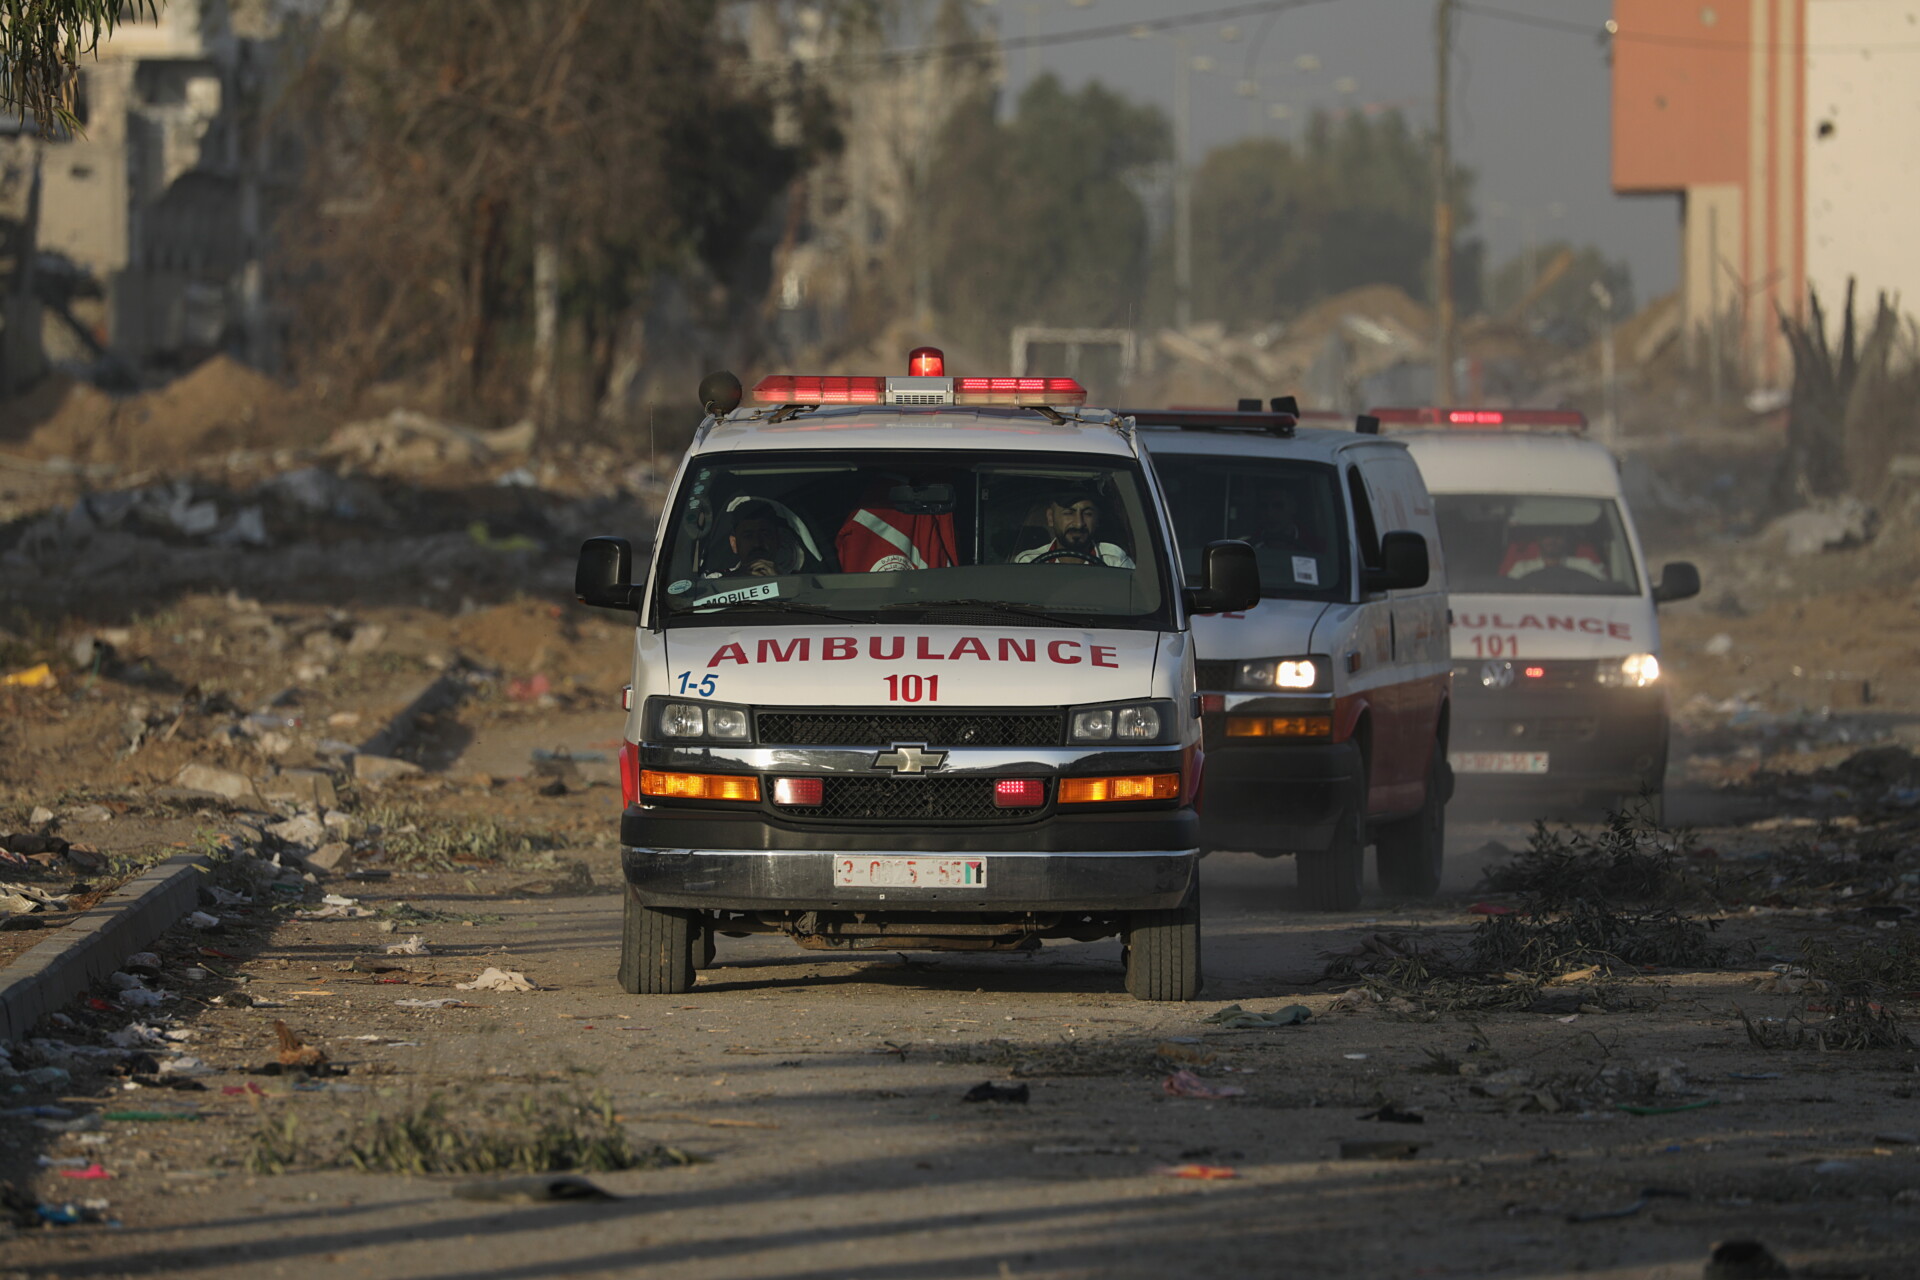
{"x": 910, "y": 873}
{"x": 1498, "y": 761}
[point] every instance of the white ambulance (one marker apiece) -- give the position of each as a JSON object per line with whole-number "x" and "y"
{"x": 913, "y": 670}
{"x": 1558, "y": 697}
{"x": 1327, "y": 702}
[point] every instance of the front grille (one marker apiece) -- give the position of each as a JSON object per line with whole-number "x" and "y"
{"x": 935, "y": 728}
{"x": 1558, "y": 675}
{"x": 851, "y": 798}
{"x": 1515, "y": 735}
{"x": 1215, "y": 676}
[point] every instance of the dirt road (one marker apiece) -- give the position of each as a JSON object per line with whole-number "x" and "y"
{"x": 824, "y": 1100}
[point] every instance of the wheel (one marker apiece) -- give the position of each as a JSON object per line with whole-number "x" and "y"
{"x": 1331, "y": 880}
{"x": 705, "y": 944}
{"x": 1162, "y": 950}
{"x": 656, "y": 949}
{"x": 1410, "y": 853}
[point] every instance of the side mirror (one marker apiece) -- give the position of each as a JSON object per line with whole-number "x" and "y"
{"x": 1678, "y": 581}
{"x": 1403, "y": 563}
{"x": 602, "y": 578}
{"x": 1231, "y": 578}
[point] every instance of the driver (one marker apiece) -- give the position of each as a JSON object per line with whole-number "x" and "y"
{"x": 1073, "y": 518}
{"x": 762, "y": 541}
{"x": 1554, "y": 549}
{"x": 1280, "y": 524}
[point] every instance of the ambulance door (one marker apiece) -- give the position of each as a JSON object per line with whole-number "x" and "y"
{"x": 1375, "y": 679}
{"x": 1421, "y": 656}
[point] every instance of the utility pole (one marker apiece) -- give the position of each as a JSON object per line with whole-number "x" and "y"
{"x": 1442, "y": 206}
{"x": 1182, "y": 186}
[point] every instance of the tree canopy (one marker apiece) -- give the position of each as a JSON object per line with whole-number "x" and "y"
{"x": 1037, "y": 219}
{"x": 1279, "y": 225}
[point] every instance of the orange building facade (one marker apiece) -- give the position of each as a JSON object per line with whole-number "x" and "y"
{"x": 1790, "y": 130}
{"x": 1709, "y": 103}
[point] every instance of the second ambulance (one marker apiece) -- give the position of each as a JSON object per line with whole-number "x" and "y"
{"x": 912, "y": 670}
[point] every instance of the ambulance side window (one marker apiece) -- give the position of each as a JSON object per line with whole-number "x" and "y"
{"x": 1365, "y": 530}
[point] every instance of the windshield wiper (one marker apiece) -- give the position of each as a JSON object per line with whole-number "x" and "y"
{"x": 773, "y": 605}
{"x": 1001, "y": 606}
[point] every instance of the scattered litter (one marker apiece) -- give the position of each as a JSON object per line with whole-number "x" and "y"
{"x": 1234, "y": 1018}
{"x": 538, "y": 1189}
{"x": 1375, "y": 1150}
{"x": 91, "y": 1173}
{"x": 1391, "y": 1114}
{"x": 443, "y": 1003}
{"x": 201, "y": 920}
{"x": 988, "y": 1091}
{"x": 1190, "y": 1054}
{"x": 1199, "y": 1172}
{"x": 1836, "y": 1166}
{"x": 1355, "y": 1057}
{"x": 497, "y": 980}
{"x": 1185, "y": 1084}
{"x": 1647, "y": 1195}
{"x": 292, "y": 1052}
{"x": 185, "y": 1065}
{"x": 335, "y": 907}
{"x": 38, "y": 676}
{"x": 143, "y": 960}
{"x": 415, "y": 945}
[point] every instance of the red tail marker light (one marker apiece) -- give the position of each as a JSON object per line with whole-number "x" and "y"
{"x": 798, "y": 791}
{"x": 1019, "y": 793}
{"x": 1505, "y": 419}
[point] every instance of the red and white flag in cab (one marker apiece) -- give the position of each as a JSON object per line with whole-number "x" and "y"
{"x": 880, "y": 539}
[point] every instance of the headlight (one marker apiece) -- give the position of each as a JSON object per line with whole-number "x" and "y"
{"x": 1635, "y": 671}
{"x": 1122, "y": 722}
{"x": 1290, "y": 674}
{"x": 698, "y": 721}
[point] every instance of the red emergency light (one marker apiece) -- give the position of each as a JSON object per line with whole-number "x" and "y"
{"x": 792, "y": 388}
{"x": 1018, "y": 391}
{"x": 1504, "y": 419}
{"x": 926, "y": 362}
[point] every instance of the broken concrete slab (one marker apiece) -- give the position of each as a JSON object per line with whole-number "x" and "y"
{"x": 208, "y": 780}
{"x": 330, "y": 857}
{"x": 305, "y": 788}
{"x": 378, "y": 769}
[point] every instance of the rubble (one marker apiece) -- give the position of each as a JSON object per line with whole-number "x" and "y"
{"x": 209, "y": 780}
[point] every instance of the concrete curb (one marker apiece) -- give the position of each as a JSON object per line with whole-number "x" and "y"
{"x": 65, "y": 966}
{"x": 437, "y": 694}
{"x": 57, "y": 971}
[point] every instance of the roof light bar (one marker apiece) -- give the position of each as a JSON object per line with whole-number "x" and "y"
{"x": 792, "y": 388}
{"x": 1018, "y": 391}
{"x": 1276, "y": 424}
{"x": 917, "y": 390}
{"x": 1502, "y": 419}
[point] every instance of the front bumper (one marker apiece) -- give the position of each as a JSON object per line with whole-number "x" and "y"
{"x": 1137, "y": 861}
{"x": 1278, "y": 797}
{"x": 1594, "y": 739}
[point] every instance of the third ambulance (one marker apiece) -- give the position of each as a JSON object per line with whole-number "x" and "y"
{"x": 1558, "y": 694}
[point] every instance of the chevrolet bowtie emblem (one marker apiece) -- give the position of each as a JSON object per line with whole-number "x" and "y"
{"x": 909, "y": 757}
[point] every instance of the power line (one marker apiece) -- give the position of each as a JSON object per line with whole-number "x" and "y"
{"x": 977, "y": 48}
{"x": 1612, "y": 32}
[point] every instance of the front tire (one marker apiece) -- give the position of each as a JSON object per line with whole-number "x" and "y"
{"x": 1332, "y": 879}
{"x": 1162, "y": 951}
{"x": 1411, "y": 854}
{"x": 656, "y": 949}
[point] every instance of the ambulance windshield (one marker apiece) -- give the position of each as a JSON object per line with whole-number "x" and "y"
{"x": 912, "y": 535}
{"x": 1510, "y": 544}
{"x": 1288, "y": 511}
